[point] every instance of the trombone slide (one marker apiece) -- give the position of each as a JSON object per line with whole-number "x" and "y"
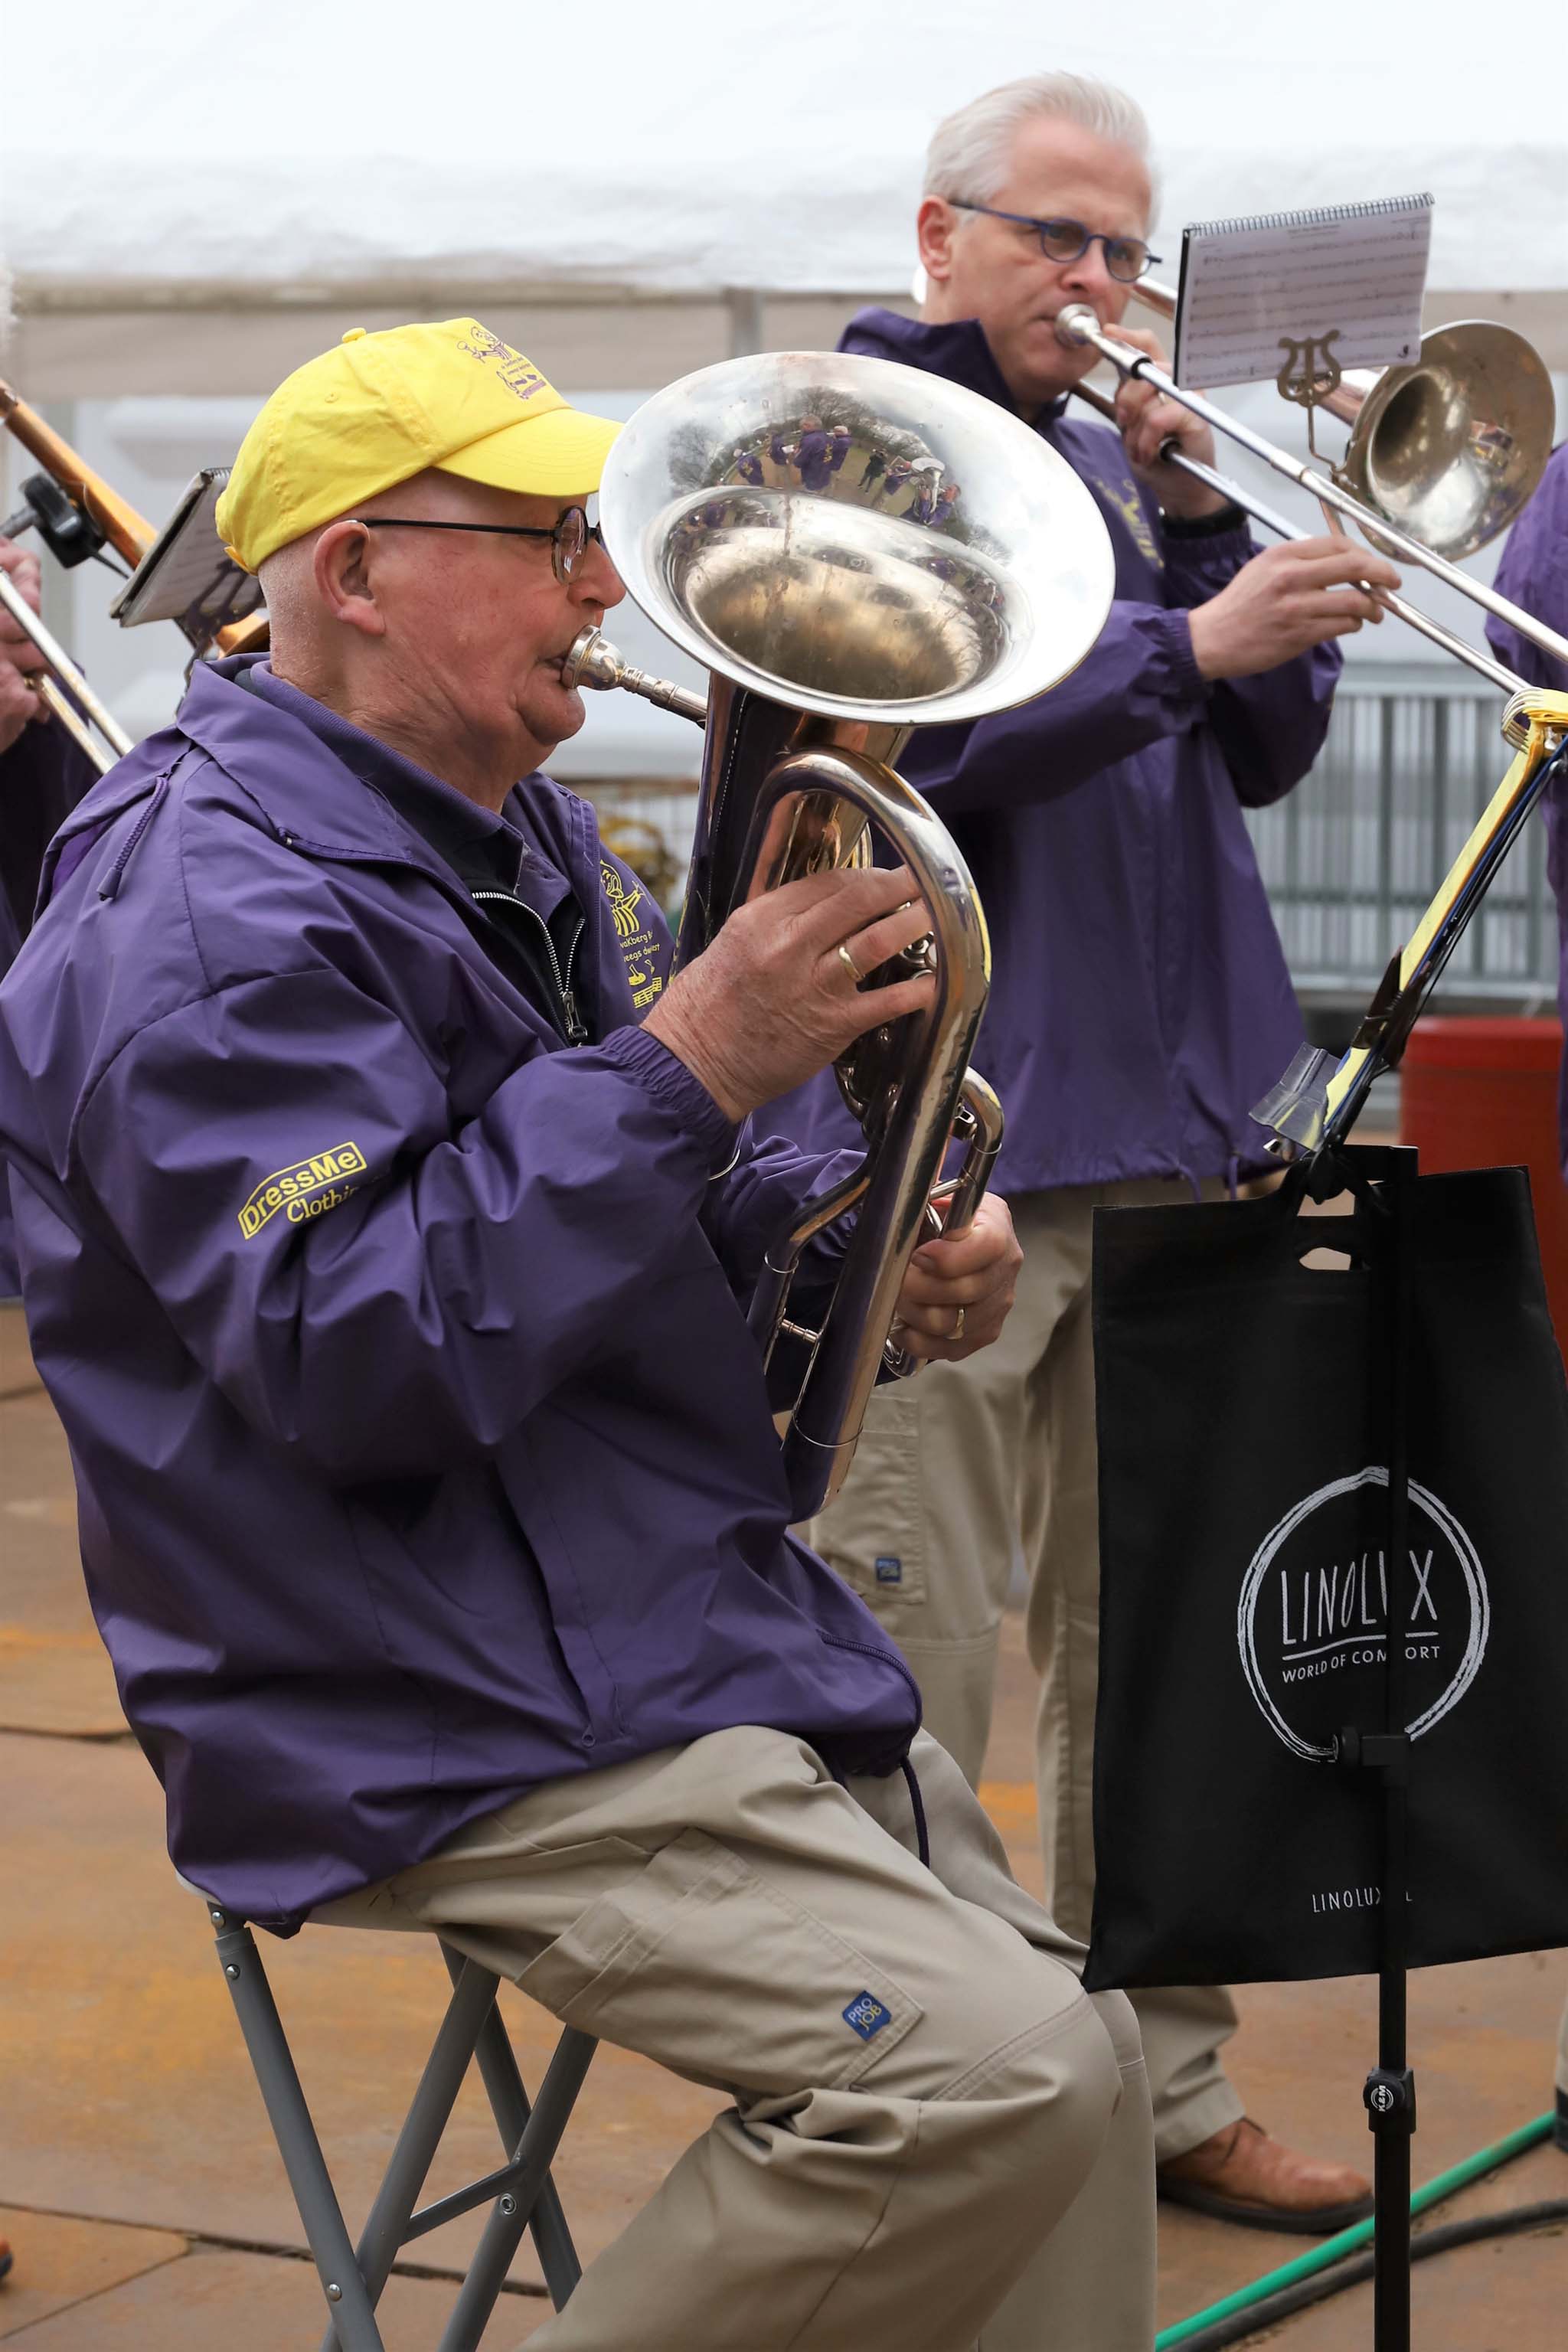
{"x": 56, "y": 659}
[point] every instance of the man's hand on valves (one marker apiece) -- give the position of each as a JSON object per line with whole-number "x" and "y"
{"x": 775, "y": 998}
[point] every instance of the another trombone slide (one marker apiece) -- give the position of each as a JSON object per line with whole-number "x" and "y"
{"x": 59, "y": 662}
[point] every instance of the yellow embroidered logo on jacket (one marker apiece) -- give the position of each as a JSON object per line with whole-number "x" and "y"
{"x": 624, "y": 903}
{"x": 1124, "y": 498}
{"x": 637, "y": 939}
{"x": 301, "y": 1190}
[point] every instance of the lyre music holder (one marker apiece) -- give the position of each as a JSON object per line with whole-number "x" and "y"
{"x": 1307, "y": 376}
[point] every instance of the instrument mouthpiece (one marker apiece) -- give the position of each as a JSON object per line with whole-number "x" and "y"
{"x": 1074, "y": 324}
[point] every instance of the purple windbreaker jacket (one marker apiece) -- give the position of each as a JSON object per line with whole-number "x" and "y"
{"x": 42, "y": 775}
{"x": 422, "y": 1450}
{"x": 1139, "y": 1001}
{"x": 1534, "y": 573}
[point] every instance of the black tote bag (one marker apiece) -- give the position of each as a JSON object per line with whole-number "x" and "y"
{"x": 1242, "y": 1400}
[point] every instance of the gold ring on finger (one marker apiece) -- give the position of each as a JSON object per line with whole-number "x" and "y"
{"x": 957, "y": 1330}
{"x": 850, "y": 966}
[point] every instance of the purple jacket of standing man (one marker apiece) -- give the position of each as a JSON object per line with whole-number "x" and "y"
{"x": 423, "y": 1451}
{"x": 42, "y": 776}
{"x": 1534, "y": 573}
{"x": 1141, "y": 1002}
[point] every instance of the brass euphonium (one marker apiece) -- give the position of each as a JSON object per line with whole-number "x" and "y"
{"x": 852, "y": 548}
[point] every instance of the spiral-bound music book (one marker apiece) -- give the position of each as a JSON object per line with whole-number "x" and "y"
{"x": 1356, "y": 272}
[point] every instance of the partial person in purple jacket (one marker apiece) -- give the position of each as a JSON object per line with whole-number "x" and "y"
{"x": 42, "y": 775}
{"x": 1140, "y": 1002}
{"x": 1534, "y": 574}
{"x": 389, "y": 1280}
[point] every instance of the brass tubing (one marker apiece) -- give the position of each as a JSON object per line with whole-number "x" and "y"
{"x": 70, "y": 718}
{"x": 56, "y": 659}
{"x": 594, "y": 661}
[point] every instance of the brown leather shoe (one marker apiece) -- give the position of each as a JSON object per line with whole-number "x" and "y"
{"x": 1242, "y": 2175}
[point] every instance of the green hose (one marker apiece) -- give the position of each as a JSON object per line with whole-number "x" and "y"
{"x": 1333, "y": 2250}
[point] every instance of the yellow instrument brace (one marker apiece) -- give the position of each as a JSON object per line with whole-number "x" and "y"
{"x": 1543, "y": 718}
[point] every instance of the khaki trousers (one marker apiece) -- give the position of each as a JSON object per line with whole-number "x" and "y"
{"x": 936, "y": 2141}
{"x": 958, "y": 1468}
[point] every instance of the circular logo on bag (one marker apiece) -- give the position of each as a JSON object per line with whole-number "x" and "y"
{"x": 1312, "y": 1624}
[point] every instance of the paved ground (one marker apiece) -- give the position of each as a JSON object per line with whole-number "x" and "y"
{"x": 141, "y": 2192}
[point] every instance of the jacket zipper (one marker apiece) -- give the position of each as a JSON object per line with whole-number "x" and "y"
{"x": 577, "y": 1035}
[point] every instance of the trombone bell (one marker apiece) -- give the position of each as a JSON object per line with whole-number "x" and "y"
{"x": 1451, "y": 447}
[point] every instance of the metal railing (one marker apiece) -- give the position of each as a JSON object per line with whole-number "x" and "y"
{"x": 1352, "y": 855}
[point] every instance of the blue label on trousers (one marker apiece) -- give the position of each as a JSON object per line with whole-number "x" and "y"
{"x": 866, "y": 2015}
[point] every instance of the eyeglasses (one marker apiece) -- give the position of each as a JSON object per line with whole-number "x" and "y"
{"x": 570, "y": 535}
{"x": 1126, "y": 257}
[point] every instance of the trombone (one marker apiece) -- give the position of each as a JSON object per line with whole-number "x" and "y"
{"x": 79, "y": 709}
{"x": 1318, "y": 1097}
{"x": 1391, "y": 441}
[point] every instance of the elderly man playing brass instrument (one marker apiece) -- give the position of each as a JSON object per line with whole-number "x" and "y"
{"x": 1141, "y": 1002}
{"x": 386, "y": 1273}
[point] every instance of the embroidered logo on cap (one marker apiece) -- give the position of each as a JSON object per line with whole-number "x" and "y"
{"x": 867, "y": 2014}
{"x": 519, "y": 375}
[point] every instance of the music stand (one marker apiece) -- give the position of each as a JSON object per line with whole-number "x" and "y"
{"x": 186, "y": 575}
{"x": 1380, "y": 1177}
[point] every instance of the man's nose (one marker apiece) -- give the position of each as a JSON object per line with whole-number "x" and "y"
{"x": 1087, "y": 279}
{"x": 596, "y": 581}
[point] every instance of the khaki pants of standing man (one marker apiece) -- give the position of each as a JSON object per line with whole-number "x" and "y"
{"x": 955, "y": 1468}
{"x": 936, "y": 2142}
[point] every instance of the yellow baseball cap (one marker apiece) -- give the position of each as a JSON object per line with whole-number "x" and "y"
{"x": 378, "y": 408}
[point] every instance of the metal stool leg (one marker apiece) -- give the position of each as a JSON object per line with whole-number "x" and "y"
{"x": 509, "y": 2102}
{"x": 473, "y": 1999}
{"x": 350, "y": 2307}
{"x": 510, "y": 2214}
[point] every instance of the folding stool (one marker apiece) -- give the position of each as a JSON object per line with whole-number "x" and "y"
{"x": 521, "y": 2192}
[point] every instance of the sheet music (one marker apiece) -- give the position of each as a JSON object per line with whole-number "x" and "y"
{"x": 185, "y": 570}
{"x": 1247, "y": 286}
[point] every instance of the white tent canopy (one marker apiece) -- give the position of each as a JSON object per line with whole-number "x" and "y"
{"x": 698, "y": 146}
{"x": 196, "y": 206}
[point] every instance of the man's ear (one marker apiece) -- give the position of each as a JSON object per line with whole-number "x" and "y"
{"x": 342, "y": 563}
{"x": 936, "y": 224}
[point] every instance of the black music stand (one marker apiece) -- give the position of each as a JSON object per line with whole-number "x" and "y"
{"x": 1380, "y": 1177}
